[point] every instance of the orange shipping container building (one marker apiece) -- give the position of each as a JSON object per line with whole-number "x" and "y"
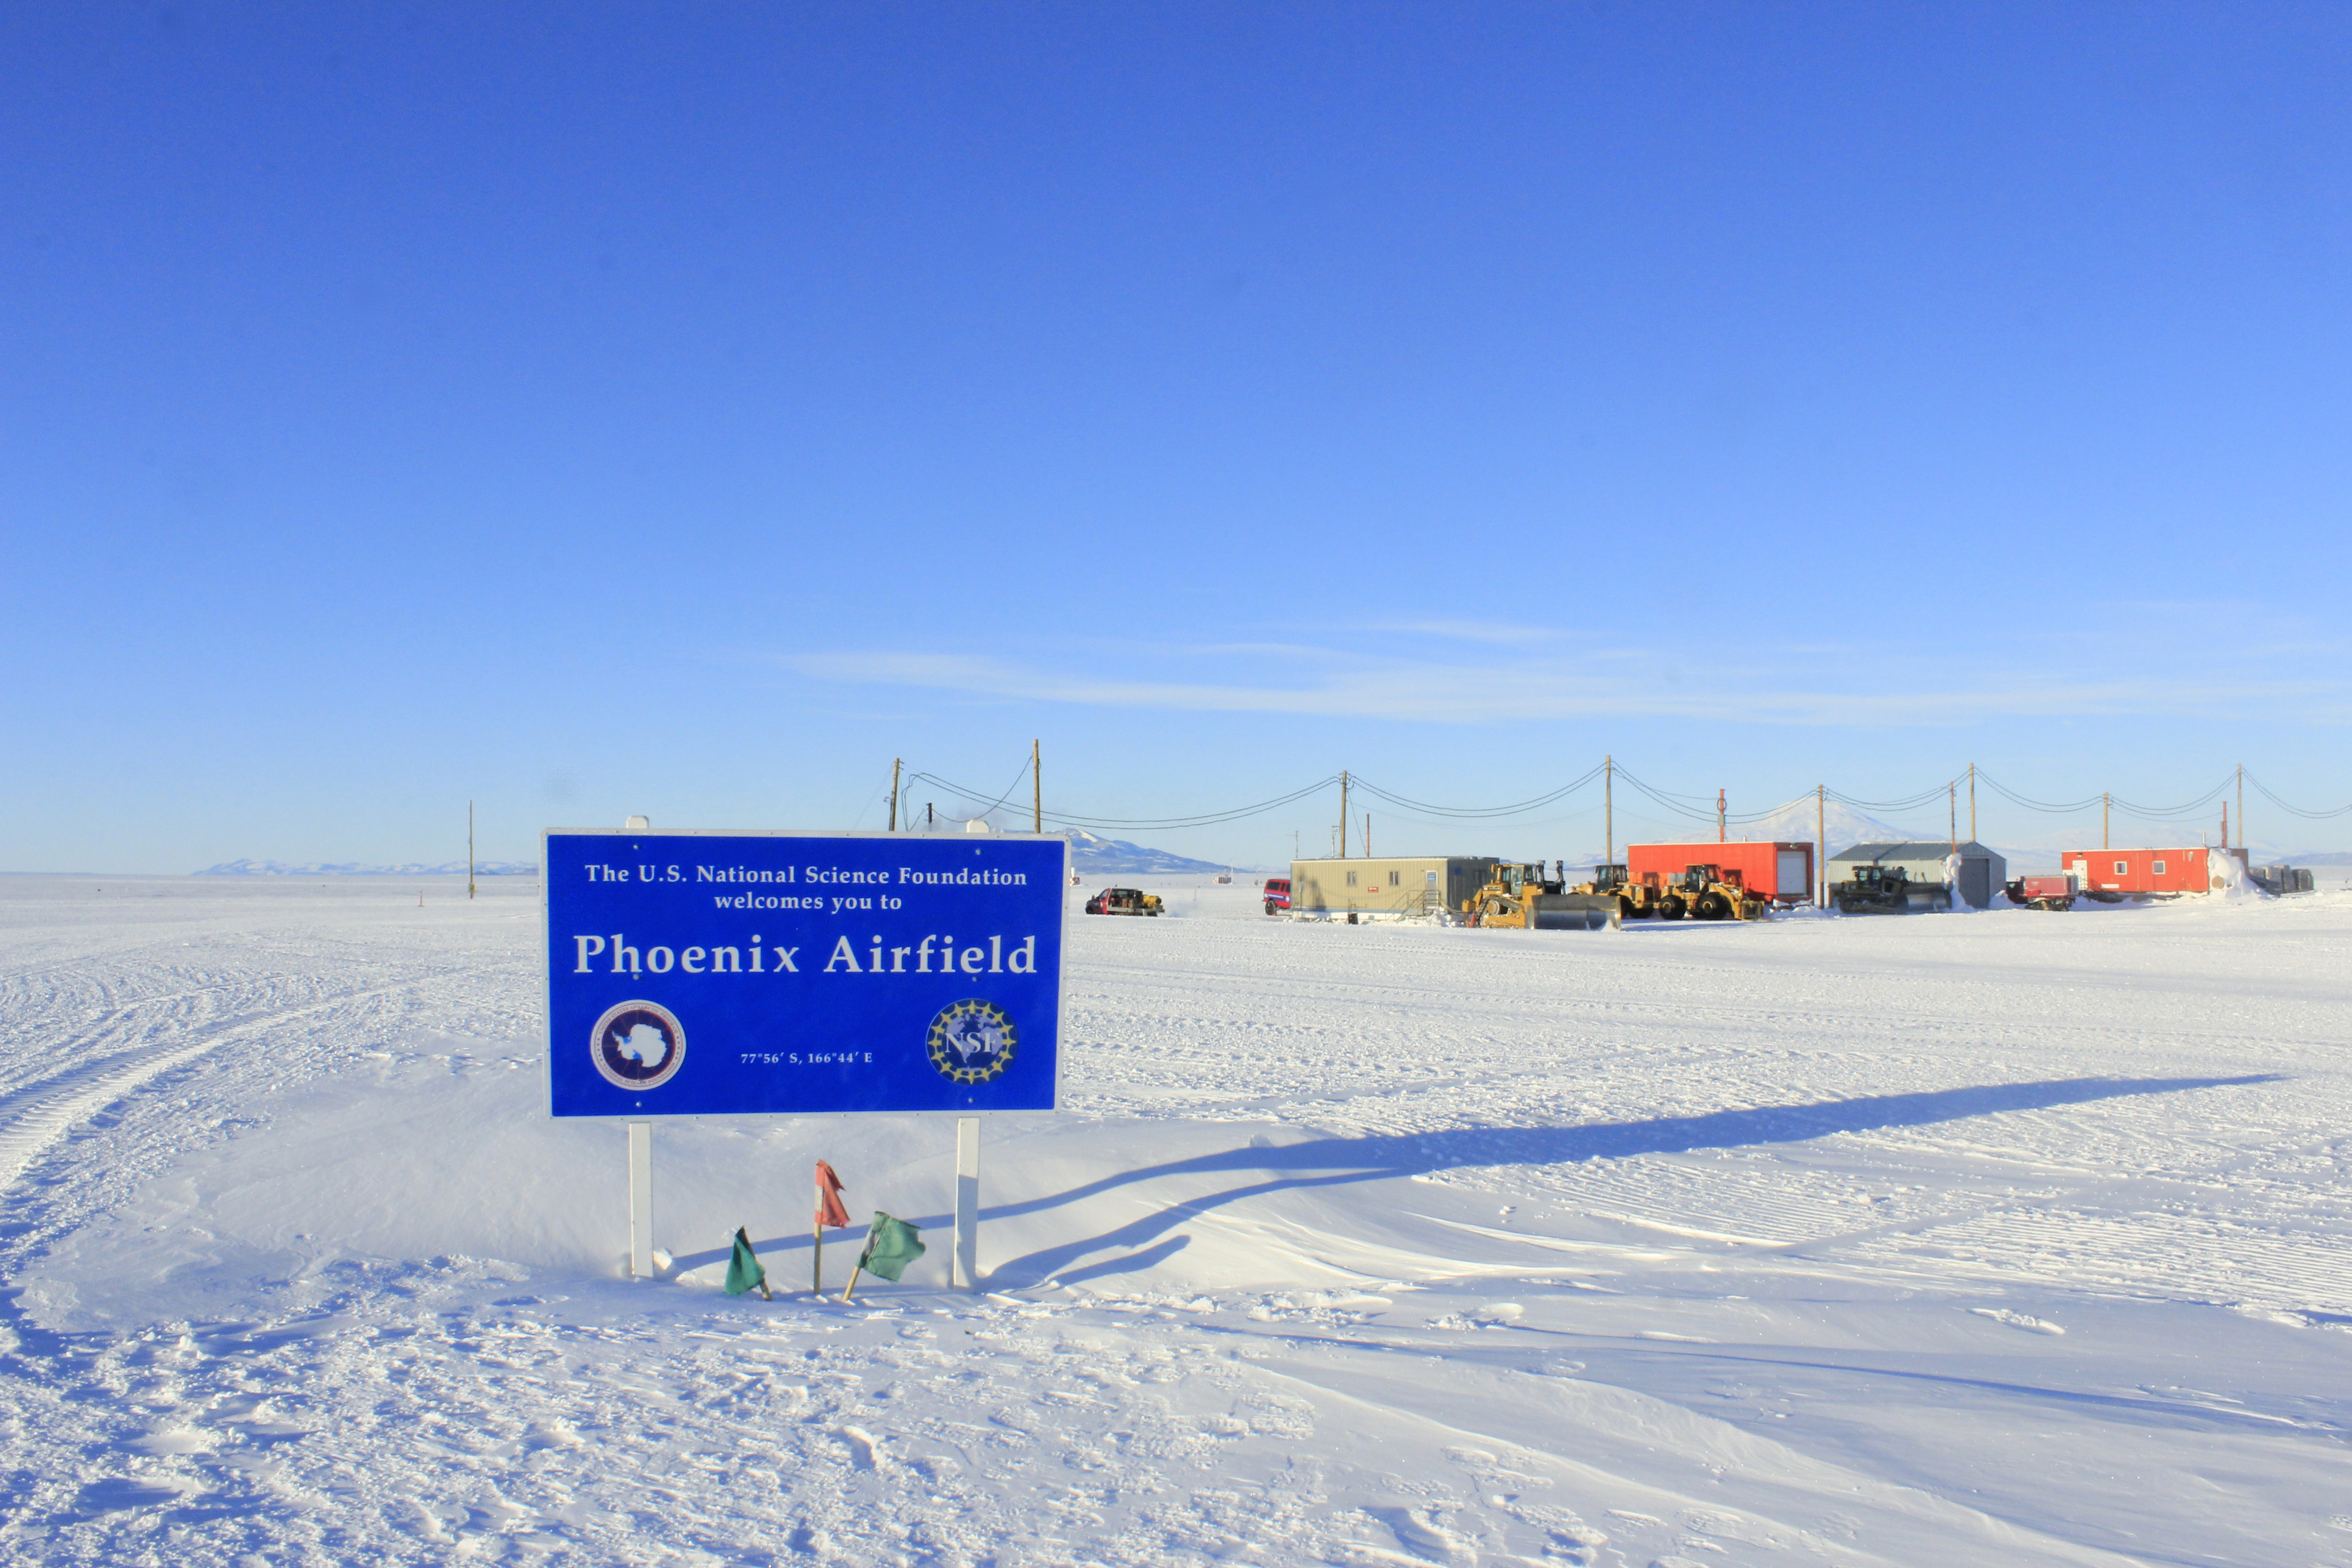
{"x": 2145, "y": 870}
{"x": 1782, "y": 873}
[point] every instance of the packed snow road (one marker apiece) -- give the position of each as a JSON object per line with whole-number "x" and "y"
{"x": 1996, "y": 1238}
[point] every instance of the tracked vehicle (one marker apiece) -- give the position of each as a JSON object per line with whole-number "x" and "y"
{"x": 1887, "y": 890}
{"x": 1520, "y": 897}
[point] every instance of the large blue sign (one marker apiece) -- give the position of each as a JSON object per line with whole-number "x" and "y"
{"x": 730, "y": 974}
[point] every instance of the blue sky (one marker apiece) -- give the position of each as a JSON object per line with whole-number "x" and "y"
{"x": 687, "y": 410}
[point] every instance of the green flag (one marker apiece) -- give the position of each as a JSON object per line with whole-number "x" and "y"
{"x": 891, "y": 1244}
{"x": 743, "y": 1270}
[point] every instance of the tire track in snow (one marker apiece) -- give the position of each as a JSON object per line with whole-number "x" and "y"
{"x": 119, "y": 1026}
{"x": 75, "y": 1096}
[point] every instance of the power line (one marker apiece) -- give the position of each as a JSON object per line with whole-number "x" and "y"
{"x": 2031, "y": 804}
{"x": 2202, "y": 801}
{"x": 1908, "y": 802}
{"x": 1358, "y": 782}
{"x": 986, "y": 805}
{"x": 2295, "y": 810}
{"x": 1691, "y": 807}
{"x": 1203, "y": 819}
{"x": 1674, "y": 803}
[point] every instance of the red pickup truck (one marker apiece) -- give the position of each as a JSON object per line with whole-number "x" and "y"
{"x": 1277, "y": 894}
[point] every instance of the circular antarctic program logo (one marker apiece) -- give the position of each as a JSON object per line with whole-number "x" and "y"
{"x": 638, "y": 1045}
{"x": 973, "y": 1041}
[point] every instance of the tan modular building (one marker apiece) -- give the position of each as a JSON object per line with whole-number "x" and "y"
{"x": 1386, "y": 888}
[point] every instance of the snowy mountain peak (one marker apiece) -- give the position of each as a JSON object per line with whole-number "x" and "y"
{"x": 1091, "y": 855}
{"x": 1800, "y": 822}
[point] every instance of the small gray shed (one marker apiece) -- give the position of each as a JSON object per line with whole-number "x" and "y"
{"x": 1982, "y": 871}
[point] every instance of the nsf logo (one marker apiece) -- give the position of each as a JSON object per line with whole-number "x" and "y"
{"x": 638, "y": 1045}
{"x": 973, "y": 1041}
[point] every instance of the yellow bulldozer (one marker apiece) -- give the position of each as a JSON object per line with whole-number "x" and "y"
{"x": 1520, "y": 897}
{"x": 1635, "y": 900}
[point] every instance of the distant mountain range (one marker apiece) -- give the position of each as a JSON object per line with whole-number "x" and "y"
{"x": 1091, "y": 855}
{"x": 353, "y": 869}
{"x": 1800, "y": 823}
{"x": 1796, "y": 824}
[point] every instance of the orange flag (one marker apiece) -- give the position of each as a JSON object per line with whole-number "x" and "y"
{"x": 828, "y": 1197}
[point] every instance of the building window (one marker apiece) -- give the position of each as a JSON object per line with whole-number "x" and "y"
{"x": 2157, "y": 867}
{"x": 1351, "y": 878}
{"x": 1394, "y": 877}
{"x": 2123, "y": 867}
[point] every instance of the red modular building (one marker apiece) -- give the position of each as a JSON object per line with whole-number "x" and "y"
{"x": 2146, "y": 871}
{"x": 1782, "y": 873}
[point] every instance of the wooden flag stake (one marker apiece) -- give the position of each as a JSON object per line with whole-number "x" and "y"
{"x": 816, "y": 1271}
{"x": 853, "y": 1272}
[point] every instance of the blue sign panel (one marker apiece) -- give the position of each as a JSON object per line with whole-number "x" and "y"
{"x": 731, "y": 974}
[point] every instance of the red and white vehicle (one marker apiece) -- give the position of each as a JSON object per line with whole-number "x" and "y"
{"x": 2052, "y": 891}
{"x": 1277, "y": 894}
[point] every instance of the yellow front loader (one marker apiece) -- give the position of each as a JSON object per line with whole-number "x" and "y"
{"x": 1710, "y": 893}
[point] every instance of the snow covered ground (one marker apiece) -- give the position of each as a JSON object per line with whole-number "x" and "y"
{"x": 2009, "y": 1238}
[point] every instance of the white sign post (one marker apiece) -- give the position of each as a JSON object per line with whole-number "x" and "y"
{"x": 967, "y": 1204}
{"x": 641, "y": 1200}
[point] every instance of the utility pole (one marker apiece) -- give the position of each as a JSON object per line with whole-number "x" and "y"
{"x": 1609, "y": 810}
{"x": 1367, "y": 835}
{"x": 894, "y": 794}
{"x": 1720, "y": 816}
{"x": 1954, "y": 789}
{"x": 2106, "y": 798}
{"x": 1036, "y": 794}
{"x": 1343, "y": 814}
{"x": 1821, "y": 824}
{"x": 2225, "y": 827}
{"x": 2241, "y": 802}
{"x": 1972, "y": 803}
{"x": 930, "y": 815}
{"x": 469, "y": 849}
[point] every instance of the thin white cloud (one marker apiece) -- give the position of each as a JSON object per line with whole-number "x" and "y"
{"x": 1562, "y": 686}
{"x": 1496, "y": 633}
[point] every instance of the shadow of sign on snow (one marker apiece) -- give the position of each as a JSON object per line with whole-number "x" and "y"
{"x": 1331, "y": 1161}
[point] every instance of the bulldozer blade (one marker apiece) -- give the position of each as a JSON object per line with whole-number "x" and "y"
{"x": 1576, "y": 911}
